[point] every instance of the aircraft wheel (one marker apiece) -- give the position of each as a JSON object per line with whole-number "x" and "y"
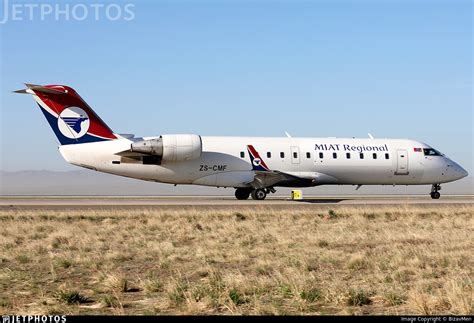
{"x": 242, "y": 193}
{"x": 435, "y": 195}
{"x": 259, "y": 194}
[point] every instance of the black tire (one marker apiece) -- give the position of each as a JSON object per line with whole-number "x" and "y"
{"x": 435, "y": 195}
{"x": 259, "y": 194}
{"x": 242, "y": 193}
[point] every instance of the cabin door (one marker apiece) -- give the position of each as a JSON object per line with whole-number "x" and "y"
{"x": 295, "y": 155}
{"x": 402, "y": 162}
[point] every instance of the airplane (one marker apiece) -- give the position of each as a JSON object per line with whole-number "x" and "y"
{"x": 254, "y": 166}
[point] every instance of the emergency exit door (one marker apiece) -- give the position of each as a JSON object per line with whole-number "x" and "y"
{"x": 402, "y": 162}
{"x": 295, "y": 155}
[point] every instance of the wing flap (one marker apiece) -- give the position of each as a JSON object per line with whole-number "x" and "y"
{"x": 264, "y": 179}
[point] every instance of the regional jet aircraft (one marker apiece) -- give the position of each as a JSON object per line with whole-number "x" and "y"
{"x": 254, "y": 166}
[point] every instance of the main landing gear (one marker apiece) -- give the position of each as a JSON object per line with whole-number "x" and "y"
{"x": 242, "y": 193}
{"x": 257, "y": 194}
{"x": 434, "y": 191}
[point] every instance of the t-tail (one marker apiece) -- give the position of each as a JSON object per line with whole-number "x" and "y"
{"x": 71, "y": 118}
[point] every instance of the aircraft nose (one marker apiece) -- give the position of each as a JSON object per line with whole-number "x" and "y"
{"x": 463, "y": 172}
{"x": 459, "y": 172}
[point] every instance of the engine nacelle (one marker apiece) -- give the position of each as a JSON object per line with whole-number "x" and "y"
{"x": 171, "y": 147}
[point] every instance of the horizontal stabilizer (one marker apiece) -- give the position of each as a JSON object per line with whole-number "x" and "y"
{"x": 29, "y": 85}
{"x": 42, "y": 89}
{"x": 21, "y": 91}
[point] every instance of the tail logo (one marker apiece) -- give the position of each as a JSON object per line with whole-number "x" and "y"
{"x": 73, "y": 122}
{"x": 257, "y": 162}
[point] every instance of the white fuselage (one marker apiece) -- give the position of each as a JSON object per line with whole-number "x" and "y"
{"x": 222, "y": 164}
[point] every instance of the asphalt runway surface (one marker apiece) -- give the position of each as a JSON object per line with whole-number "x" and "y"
{"x": 220, "y": 202}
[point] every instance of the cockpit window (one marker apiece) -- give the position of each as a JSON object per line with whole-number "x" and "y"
{"x": 431, "y": 152}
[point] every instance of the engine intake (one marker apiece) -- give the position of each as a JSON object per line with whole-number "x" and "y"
{"x": 171, "y": 148}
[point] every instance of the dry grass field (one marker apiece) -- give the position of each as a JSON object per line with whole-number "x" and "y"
{"x": 255, "y": 260}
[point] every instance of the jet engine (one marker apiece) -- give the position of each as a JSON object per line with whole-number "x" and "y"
{"x": 171, "y": 148}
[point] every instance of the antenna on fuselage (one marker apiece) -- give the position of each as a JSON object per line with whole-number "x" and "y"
{"x": 287, "y": 134}
{"x": 370, "y": 136}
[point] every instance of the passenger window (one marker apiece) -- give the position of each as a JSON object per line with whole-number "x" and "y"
{"x": 282, "y": 155}
{"x": 295, "y": 155}
{"x": 348, "y": 155}
{"x": 308, "y": 155}
{"x": 361, "y": 155}
{"x": 321, "y": 155}
{"x": 387, "y": 156}
{"x": 269, "y": 154}
{"x": 334, "y": 155}
{"x": 374, "y": 155}
{"x": 242, "y": 154}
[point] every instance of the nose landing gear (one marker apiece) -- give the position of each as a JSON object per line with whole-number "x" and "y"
{"x": 434, "y": 191}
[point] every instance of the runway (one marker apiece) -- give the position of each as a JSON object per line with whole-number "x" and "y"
{"x": 222, "y": 201}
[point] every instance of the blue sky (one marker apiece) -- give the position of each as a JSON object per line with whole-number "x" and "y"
{"x": 396, "y": 69}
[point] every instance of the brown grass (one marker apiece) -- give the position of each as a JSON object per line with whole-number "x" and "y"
{"x": 348, "y": 260}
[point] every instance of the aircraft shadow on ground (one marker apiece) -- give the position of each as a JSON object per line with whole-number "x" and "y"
{"x": 325, "y": 201}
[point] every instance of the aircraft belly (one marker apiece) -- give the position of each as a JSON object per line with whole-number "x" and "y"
{"x": 226, "y": 179}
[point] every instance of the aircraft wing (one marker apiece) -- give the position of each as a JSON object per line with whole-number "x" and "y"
{"x": 264, "y": 179}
